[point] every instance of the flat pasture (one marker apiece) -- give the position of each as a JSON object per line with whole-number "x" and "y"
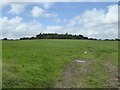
{"x": 48, "y": 63}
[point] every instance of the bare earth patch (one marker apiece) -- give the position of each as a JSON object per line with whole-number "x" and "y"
{"x": 72, "y": 76}
{"x": 112, "y": 73}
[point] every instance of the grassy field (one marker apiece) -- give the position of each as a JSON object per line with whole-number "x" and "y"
{"x": 48, "y": 63}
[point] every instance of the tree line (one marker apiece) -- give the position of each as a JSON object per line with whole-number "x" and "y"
{"x": 61, "y": 36}
{"x": 56, "y": 36}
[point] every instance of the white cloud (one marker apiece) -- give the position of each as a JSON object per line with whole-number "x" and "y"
{"x": 53, "y": 27}
{"x": 17, "y": 20}
{"x": 16, "y": 8}
{"x": 39, "y": 12}
{"x": 16, "y": 28}
{"x": 112, "y": 15}
{"x": 47, "y": 5}
{"x": 73, "y": 21}
{"x": 96, "y": 23}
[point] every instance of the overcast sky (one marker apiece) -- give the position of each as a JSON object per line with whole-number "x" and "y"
{"x": 96, "y": 20}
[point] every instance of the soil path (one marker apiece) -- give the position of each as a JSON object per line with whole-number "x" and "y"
{"x": 72, "y": 76}
{"x": 112, "y": 73}
{"x": 74, "y": 73}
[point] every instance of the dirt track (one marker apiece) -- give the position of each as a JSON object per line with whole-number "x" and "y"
{"x": 74, "y": 73}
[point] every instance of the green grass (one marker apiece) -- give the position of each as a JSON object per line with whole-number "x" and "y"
{"x": 37, "y": 63}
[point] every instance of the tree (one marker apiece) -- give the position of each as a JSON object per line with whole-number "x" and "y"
{"x": 5, "y": 39}
{"x": 55, "y": 36}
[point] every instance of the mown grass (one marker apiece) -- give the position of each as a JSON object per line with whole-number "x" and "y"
{"x": 37, "y": 63}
